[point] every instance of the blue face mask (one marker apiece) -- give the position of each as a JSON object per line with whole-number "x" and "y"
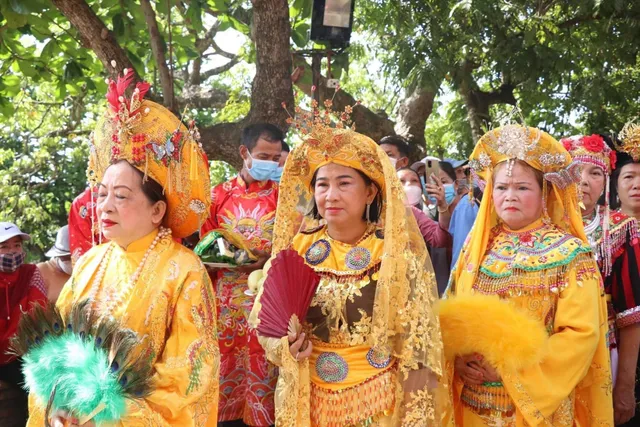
{"x": 449, "y": 193}
{"x": 261, "y": 170}
{"x": 277, "y": 174}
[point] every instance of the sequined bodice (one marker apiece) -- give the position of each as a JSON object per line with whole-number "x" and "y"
{"x": 341, "y": 309}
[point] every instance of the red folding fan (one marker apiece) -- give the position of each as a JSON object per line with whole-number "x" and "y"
{"x": 288, "y": 291}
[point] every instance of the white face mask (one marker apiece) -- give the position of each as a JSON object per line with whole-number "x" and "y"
{"x": 414, "y": 195}
{"x": 394, "y": 162}
{"x": 65, "y": 266}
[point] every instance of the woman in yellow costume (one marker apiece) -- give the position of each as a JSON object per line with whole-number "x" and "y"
{"x": 374, "y": 356}
{"x": 153, "y": 187}
{"x": 524, "y": 324}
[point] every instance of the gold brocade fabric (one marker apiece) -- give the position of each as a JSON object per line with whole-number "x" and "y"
{"x": 382, "y": 298}
{"x": 172, "y": 309}
{"x": 546, "y": 273}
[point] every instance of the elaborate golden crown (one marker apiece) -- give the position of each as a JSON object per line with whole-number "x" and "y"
{"x": 630, "y": 137}
{"x": 330, "y": 136}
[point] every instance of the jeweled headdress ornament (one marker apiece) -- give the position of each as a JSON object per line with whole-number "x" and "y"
{"x": 593, "y": 150}
{"x": 154, "y": 141}
{"x": 516, "y": 142}
{"x": 630, "y": 140}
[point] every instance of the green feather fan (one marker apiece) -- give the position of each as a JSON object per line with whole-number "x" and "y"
{"x": 85, "y": 364}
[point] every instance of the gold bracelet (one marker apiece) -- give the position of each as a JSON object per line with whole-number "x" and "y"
{"x": 443, "y": 211}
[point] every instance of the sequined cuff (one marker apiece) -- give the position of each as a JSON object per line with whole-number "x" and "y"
{"x": 628, "y": 317}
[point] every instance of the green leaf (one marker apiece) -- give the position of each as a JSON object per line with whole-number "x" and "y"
{"x": 15, "y": 20}
{"x": 228, "y": 21}
{"x": 218, "y": 5}
{"x": 27, "y": 68}
{"x": 6, "y": 107}
{"x": 194, "y": 13}
{"x": 137, "y": 63}
{"x": 118, "y": 25}
{"x": 72, "y": 71}
{"x": 300, "y": 34}
{"x": 11, "y": 85}
{"x": 296, "y": 8}
{"x": 49, "y": 50}
{"x": 20, "y": 6}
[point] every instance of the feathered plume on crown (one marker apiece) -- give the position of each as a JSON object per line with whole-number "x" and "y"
{"x": 630, "y": 137}
{"x": 126, "y": 111}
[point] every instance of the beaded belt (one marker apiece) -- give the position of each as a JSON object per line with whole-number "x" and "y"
{"x": 350, "y": 385}
{"x": 488, "y": 398}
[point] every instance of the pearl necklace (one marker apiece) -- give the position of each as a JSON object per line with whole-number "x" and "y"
{"x": 112, "y": 302}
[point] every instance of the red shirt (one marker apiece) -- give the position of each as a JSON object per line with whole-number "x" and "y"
{"x": 248, "y": 210}
{"x": 18, "y": 291}
{"x": 81, "y": 219}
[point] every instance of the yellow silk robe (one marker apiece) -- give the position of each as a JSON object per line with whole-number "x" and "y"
{"x": 545, "y": 333}
{"x": 172, "y": 309}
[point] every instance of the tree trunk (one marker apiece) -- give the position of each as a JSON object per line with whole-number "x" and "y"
{"x": 477, "y": 115}
{"x": 157, "y": 47}
{"x": 271, "y": 85}
{"x": 413, "y": 113}
{"x": 95, "y": 35}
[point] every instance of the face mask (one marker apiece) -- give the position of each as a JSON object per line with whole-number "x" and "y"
{"x": 449, "y": 193}
{"x": 65, "y": 266}
{"x": 11, "y": 262}
{"x": 261, "y": 170}
{"x": 394, "y": 162}
{"x": 277, "y": 174}
{"x": 414, "y": 195}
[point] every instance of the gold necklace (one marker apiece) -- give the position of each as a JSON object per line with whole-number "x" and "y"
{"x": 367, "y": 233}
{"x": 111, "y": 302}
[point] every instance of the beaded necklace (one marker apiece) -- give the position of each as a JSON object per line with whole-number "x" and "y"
{"x": 111, "y": 302}
{"x": 591, "y": 227}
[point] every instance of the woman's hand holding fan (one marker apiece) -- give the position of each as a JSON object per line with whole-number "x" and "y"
{"x": 288, "y": 290}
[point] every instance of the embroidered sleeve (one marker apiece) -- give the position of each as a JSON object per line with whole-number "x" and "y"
{"x": 293, "y": 393}
{"x": 576, "y": 350}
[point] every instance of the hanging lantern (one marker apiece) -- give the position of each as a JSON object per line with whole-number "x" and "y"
{"x": 332, "y": 21}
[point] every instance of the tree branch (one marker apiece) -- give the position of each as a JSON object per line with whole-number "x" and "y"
{"x": 222, "y": 142}
{"x": 95, "y": 35}
{"x": 218, "y": 70}
{"x": 157, "y": 47}
{"x": 221, "y": 52}
{"x": 67, "y": 132}
{"x": 194, "y": 97}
